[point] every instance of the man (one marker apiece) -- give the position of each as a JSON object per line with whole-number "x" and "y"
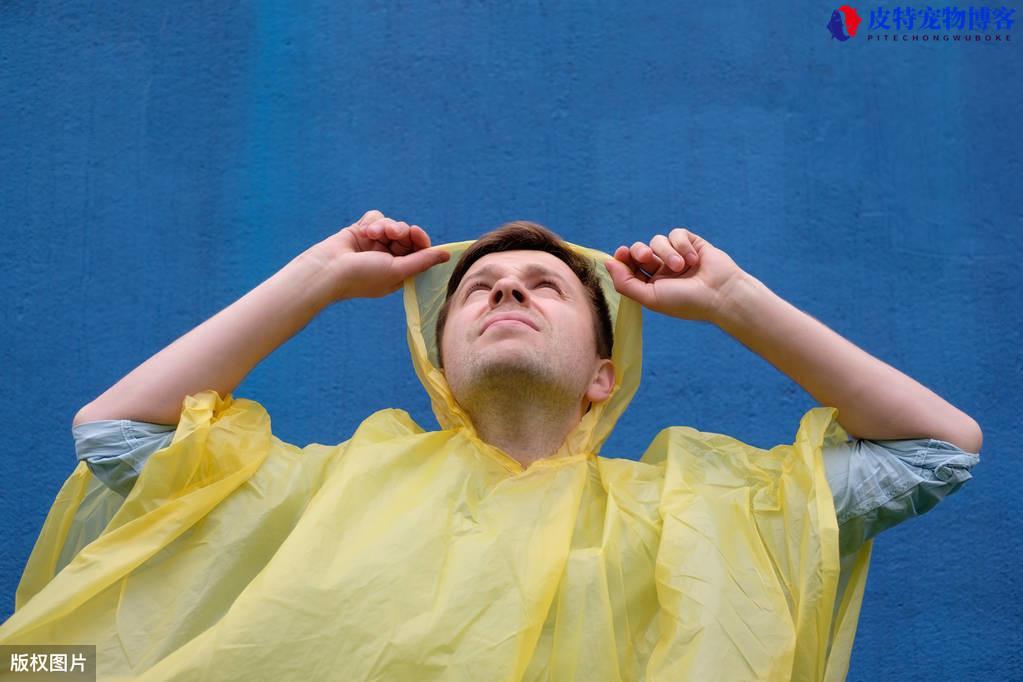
{"x": 502, "y": 546}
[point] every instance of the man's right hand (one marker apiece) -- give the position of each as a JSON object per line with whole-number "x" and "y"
{"x": 372, "y": 257}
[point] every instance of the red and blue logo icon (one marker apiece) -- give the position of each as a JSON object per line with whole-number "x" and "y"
{"x": 844, "y": 22}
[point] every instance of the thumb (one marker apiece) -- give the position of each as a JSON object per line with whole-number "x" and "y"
{"x": 412, "y": 264}
{"x": 627, "y": 283}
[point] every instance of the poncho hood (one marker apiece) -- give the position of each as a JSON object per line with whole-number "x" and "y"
{"x": 424, "y": 296}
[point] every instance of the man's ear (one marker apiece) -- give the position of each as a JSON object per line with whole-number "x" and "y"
{"x": 603, "y": 382}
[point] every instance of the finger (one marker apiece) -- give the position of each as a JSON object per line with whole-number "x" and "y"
{"x": 667, "y": 253}
{"x": 377, "y": 233}
{"x": 626, "y": 282}
{"x": 397, "y": 232}
{"x": 644, "y": 256}
{"x": 398, "y": 249}
{"x": 369, "y": 216}
{"x": 375, "y": 229}
{"x": 624, "y": 254}
{"x": 682, "y": 241}
{"x": 398, "y": 242}
{"x": 697, "y": 241}
{"x": 362, "y": 241}
{"x": 418, "y": 261}
{"x": 420, "y": 240}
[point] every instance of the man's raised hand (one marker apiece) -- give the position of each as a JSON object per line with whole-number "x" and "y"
{"x": 373, "y": 256}
{"x": 688, "y": 277}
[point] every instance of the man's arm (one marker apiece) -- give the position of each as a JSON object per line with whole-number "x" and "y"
{"x": 218, "y": 353}
{"x": 683, "y": 275}
{"x": 874, "y": 400}
{"x": 370, "y": 258}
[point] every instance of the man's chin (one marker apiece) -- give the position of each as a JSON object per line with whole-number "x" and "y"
{"x": 512, "y": 364}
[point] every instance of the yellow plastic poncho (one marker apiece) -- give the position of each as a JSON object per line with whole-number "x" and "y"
{"x": 406, "y": 554}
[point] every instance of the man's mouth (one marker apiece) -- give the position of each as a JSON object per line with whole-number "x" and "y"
{"x": 510, "y": 319}
{"x": 508, "y": 323}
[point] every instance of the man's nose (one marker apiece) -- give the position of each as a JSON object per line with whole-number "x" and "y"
{"x": 508, "y": 288}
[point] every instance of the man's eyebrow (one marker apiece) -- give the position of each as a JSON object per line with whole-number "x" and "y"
{"x": 532, "y": 269}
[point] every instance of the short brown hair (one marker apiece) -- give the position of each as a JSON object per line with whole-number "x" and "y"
{"x": 523, "y": 234}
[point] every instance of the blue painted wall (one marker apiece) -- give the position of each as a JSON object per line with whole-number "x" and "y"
{"x": 161, "y": 160}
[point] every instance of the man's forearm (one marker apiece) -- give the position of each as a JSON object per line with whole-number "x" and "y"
{"x": 220, "y": 352}
{"x": 874, "y": 399}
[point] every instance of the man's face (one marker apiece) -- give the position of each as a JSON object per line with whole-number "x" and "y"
{"x": 522, "y": 314}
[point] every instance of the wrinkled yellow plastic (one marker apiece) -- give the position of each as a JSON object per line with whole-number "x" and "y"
{"x": 405, "y": 554}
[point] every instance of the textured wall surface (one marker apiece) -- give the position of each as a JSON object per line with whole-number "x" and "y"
{"x": 161, "y": 160}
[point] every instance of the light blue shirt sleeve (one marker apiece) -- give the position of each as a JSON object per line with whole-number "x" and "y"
{"x": 115, "y": 450}
{"x": 875, "y": 484}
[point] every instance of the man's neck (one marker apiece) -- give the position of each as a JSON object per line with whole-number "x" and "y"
{"x": 525, "y": 421}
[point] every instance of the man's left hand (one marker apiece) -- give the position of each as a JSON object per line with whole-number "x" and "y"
{"x": 688, "y": 277}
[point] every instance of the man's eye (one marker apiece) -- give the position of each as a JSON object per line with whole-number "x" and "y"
{"x": 544, "y": 282}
